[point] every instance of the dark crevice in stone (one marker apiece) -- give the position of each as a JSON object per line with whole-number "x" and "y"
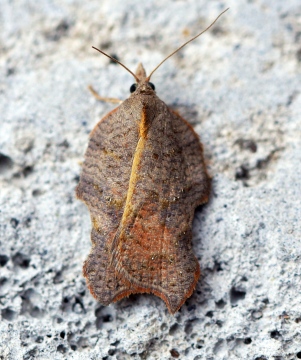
{"x": 236, "y": 295}
{"x": 6, "y": 163}
{"x": 8, "y": 314}
{"x": 21, "y": 260}
{"x": 3, "y": 260}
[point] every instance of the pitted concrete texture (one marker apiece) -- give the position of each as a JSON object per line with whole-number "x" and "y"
{"x": 239, "y": 85}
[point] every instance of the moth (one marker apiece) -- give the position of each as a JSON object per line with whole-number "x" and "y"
{"x": 142, "y": 178}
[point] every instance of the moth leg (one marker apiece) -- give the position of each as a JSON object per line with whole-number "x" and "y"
{"x": 101, "y": 98}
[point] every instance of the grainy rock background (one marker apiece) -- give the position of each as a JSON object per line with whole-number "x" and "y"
{"x": 240, "y": 87}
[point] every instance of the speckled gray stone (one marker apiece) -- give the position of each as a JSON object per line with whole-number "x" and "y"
{"x": 239, "y": 85}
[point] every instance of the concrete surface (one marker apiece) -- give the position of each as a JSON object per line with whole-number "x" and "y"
{"x": 240, "y": 87}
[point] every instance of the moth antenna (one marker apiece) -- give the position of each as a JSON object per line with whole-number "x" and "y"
{"x": 187, "y": 42}
{"x": 118, "y": 62}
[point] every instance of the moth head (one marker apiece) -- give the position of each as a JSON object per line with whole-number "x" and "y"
{"x": 143, "y": 84}
{"x": 146, "y": 86}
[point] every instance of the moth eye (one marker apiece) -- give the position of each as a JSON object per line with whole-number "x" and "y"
{"x": 133, "y": 88}
{"x": 151, "y": 85}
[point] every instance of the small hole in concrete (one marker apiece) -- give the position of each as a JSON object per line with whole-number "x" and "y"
{"x": 220, "y": 304}
{"x": 242, "y": 173}
{"x": 275, "y": 335}
{"x": 14, "y": 222}
{"x": 27, "y": 170}
{"x": 8, "y": 314}
{"x": 247, "y": 341}
{"x": 174, "y": 353}
{"x": 173, "y": 329}
{"x": 3, "y": 260}
{"x": 39, "y": 339}
{"x": 21, "y": 260}
{"x": 6, "y": 163}
{"x": 209, "y": 314}
{"x": 107, "y": 318}
{"x": 62, "y": 349}
{"x": 236, "y": 295}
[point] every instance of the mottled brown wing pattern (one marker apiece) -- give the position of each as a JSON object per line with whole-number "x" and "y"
{"x": 141, "y": 183}
{"x": 153, "y": 248}
{"x": 103, "y": 187}
{"x": 143, "y": 176}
